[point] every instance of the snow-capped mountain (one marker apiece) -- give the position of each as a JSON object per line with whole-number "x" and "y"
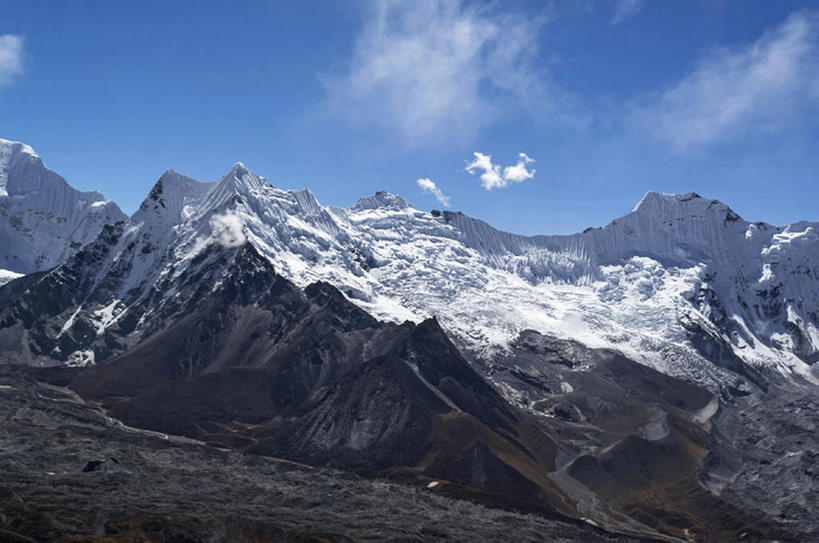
{"x": 43, "y": 220}
{"x": 231, "y": 312}
{"x": 682, "y": 284}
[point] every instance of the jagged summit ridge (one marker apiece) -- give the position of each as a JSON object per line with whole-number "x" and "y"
{"x": 678, "y": 278}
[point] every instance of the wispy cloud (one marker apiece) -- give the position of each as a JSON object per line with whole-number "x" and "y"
{"x": 626, "y": 9}
{"x": 11, "y": 49}
{"x": 228, "y": 230}
{"x": 428, "y": 185}
{"x": 759, "y": 87}
{"x": 494, "y": 176}
{"x": 439, "y": 70}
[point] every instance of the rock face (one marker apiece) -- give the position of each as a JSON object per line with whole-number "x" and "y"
{"x": 43, "y": 220}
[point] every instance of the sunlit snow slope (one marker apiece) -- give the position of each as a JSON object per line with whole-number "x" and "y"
{"x": 43, "y": 220}
{"x": 682, "y": 283}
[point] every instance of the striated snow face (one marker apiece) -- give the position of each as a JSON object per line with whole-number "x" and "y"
{"x": 43, "y": 220}
{"x": 12, "y": 152}
{"x": 678, "y": 268}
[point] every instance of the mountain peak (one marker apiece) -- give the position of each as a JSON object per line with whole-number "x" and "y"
{"x": 240, "y": 172}
{"x": 381, "y": 200}
{"x": 171, "y": 189}
{"x": 239, "y": 181}
{"x": 173, "y": 181}
{"x": 11, "y": 153}
{"x": 17, "y": 146}
{"x": 239, "y": 169}
{"x": 653, "y": 198}
{"x": 688, "y": 204}
{"x": 171, "y": 177}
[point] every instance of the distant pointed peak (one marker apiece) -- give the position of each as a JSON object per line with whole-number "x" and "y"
{"x": 170, "y": 173}
{"x": 239, "y": 169}
{"x": 171, "y": 184}
{"x": 685, "y": 204}
{"x": 381, "y": 199}
{"x": 652, "y": 198}
{"x": 240, "y": 172}
{"x": 172, "y": 178}
{"x": 239, "y": 184}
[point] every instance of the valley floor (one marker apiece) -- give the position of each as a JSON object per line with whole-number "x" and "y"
{"x": 72, "y": 474}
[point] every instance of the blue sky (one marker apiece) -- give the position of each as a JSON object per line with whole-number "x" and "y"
{"x": 609, "y": 98}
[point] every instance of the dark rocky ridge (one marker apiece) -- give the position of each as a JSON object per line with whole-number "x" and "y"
{"x": 258, "y": 365}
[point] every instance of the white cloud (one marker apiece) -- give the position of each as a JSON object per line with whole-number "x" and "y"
{"x": 227, "y": 230}
{"x": 438, "y": 70}
{"x": 11, "y": 49}
{"x": 494, "y": 176}
{"x": 760, "y": 87}
{"x": 519, "y": 173}
{"x": 626, "y": 9}
{"x": 491, "y": 176}
{"x": 427, "y": 185}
